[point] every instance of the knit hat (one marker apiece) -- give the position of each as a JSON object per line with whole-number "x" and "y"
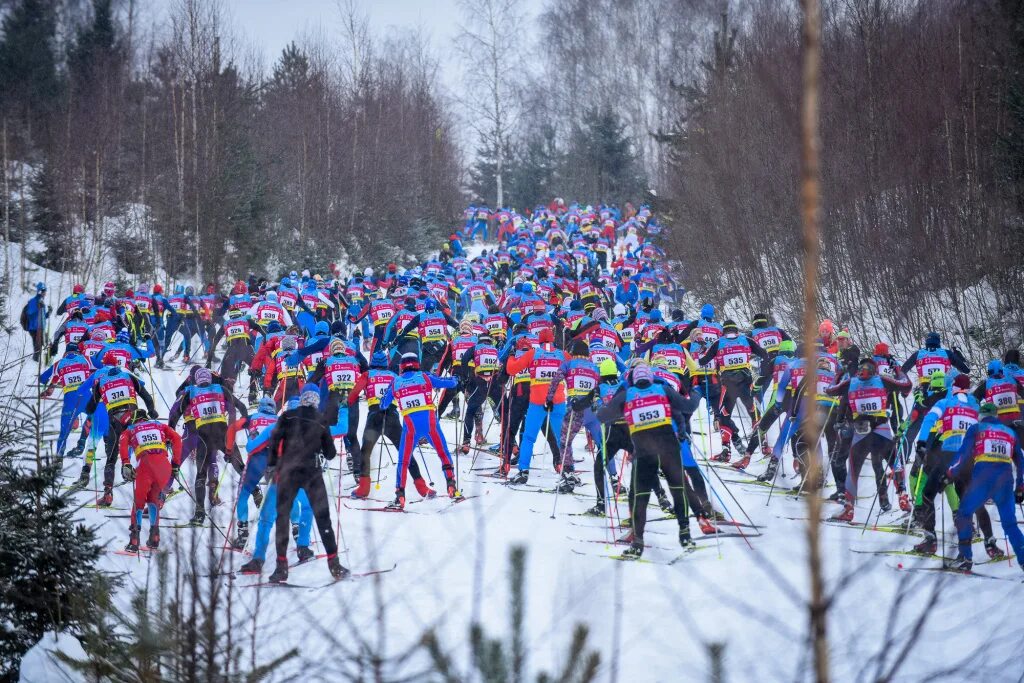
{"x": 310, "y": 396}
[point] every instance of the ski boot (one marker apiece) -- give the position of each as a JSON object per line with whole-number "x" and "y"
{"x": 769, "y": 474}
{"x": 82, "y": 481}
{"x": 108, "y": 497}
{"x": 664, "y": 503}
{"x": 423, "y": 489}
{"x": 566, "y": 484}
{"x": 133, "y": 541}
{"x": 153, "y": 542}
{"x": 928, "y": 546}
{"x": 253, "y": 566}
{"x": 242, "y": 536}
{"x": 464, "y": 448}
{"x": 992, "y": 548}
{"x": 398, "y": 504}
{"x": 160, "y": 364}
{"x": 613, "y": 483}
{"x": 596, "y": 511}
{"x": 362, "y": 490}
{"x": 836, "y": 496}
{"x": 337, "y": 570}
{"x": 742, "y": 463}
{"x": 959, "y": 564}
{"x": 904, "y": 501}
{"x": 520, "y": 477}
{"x": 846, "y": 515}
{"x": 883, "y": 502}
{"x": 198, "y": 518}
{"x": 706, "y": 527}
{"x": 76, "y": 452}
{"x": 636, "y": 547}
{"x": 724, "y": 456}
{"x": 626, "y": 523}
{"x": 449, "y": 477}
{"x": 685, "y": 540}
{"x": 304, "y": 553}
{"x": 280, "y": 574}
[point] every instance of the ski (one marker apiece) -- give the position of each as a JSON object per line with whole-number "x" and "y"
{"x": 958, "y": 572}
{"x": 382, "y": 508}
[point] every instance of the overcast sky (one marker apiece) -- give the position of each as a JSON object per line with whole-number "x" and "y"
{"x": 272, "y": 24}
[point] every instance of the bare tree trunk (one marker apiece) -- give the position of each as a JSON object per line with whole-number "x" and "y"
{"x": 811, "y": 215}
{"x": 7, "y": 219}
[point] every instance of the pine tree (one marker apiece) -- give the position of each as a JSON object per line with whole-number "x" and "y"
{"x": 483, "y": 181}
{"x": 28, "y": 66}
{"x": 534, "y": 174}
{"x": 49, "y": 579}
{"x": 48, "y": 223}
{"x": 504, "y": 659}
{"x": 601, "y": 157}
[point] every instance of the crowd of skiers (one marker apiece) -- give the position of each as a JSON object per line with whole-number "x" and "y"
{"x": 571, "y": 323}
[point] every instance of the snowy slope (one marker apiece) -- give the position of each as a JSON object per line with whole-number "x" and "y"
{"x": 650, "y": 622}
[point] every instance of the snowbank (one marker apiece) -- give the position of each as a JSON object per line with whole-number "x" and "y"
{"x": 40, "y": 664}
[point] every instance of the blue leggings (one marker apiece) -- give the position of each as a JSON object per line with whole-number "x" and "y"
{"x": 254, "y": 469}
{"x": 68, "y": 412}
{"x": 537, "y": 419}
{"x": 302, "y": 513}
{"x": 989, "y": 480}
{"x": 421, "y": 424}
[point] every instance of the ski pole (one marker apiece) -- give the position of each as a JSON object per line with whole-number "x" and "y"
{"x": 196, "y": 503}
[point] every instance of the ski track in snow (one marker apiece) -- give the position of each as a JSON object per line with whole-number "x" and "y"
{"x": 452, "y": 568}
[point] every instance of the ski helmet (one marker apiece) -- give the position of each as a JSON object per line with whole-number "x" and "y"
{"x": 866, "y": 368}
{"x": 310, "y": 396}
{"x": 267, "y": 405}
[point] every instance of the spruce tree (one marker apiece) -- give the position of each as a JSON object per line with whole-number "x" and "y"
{"x": 48, "y": 223}
{"x": 49, "y": 579}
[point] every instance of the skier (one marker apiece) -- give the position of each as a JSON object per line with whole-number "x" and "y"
{"x": 993, "y": 452}
{"x": 413, "y": 390}
{"x": 650, "y": 408}
{"x": 157, "y": 452}
{"x": 296, "y": 441}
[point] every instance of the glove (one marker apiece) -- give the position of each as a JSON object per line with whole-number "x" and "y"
{"x": 269, "y": 474}
{"x": 548, "y": 405}
{"x": 48, "y": 392}
{"x": 174, "y": 471}
{"x": 920, "y": 449}
{"x": 245, "y": 423}
{"x": 253, "y": 374}
{"x": 128, "y": 472}
{"x": 1019, "y": 495}
{"x": 146, "y": 337}
{"x": 947, "y": 477}
{"x": 153, "y": 415}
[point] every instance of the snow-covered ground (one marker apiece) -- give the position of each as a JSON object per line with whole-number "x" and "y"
{"x": 650, "y": 621}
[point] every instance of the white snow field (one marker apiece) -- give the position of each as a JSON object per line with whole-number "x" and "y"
{"x": 648, "y": 621}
